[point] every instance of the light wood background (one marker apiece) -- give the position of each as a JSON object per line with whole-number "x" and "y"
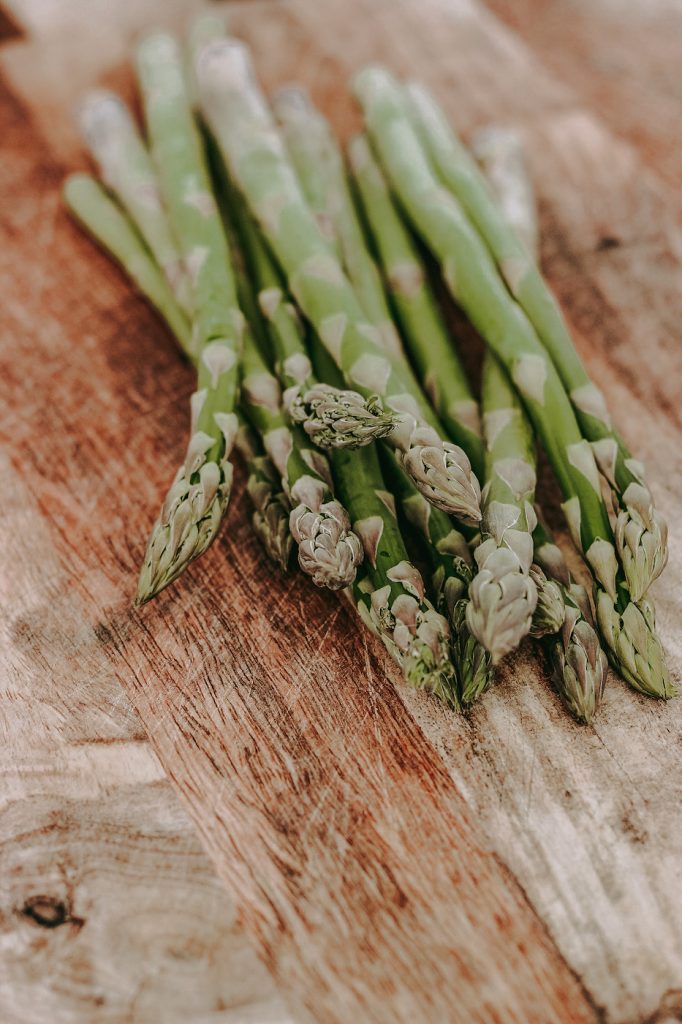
{"x": 226, "y": 807}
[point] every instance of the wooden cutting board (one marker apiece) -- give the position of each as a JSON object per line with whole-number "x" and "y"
{"x": 386, "y": 860}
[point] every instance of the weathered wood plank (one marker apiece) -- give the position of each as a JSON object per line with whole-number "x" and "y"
{"x": 329, "y": 816}
{"x": 621, "y": 57}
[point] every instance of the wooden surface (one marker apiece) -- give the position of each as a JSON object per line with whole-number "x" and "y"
{"x": 385, "y": 860}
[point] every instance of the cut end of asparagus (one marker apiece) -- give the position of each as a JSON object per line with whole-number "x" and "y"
{"x": 188, "y": 523}
{"x": 334, "y": 418}
{"x": 502, "y": 600}
{"x": 641, "y": 540}
{"x": 634, "y": 647}
{"x": 443, "y": 474}
{"x": 328, "y": 550}
{"x": 580, "y": 666}
{"x": 550, "y": 611}
{"x": 100, "y": 117}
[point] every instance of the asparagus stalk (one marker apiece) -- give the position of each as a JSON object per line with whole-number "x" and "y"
{"x": 579, "y": 665}
{"x": 243, "y": 127}
{"x": 272, "y": 508}
{"x": 328, "y": 550}
{"x": 111, "y": 228}
{"x": 641, "y": 532}
{"x": 628, "y": 628}
{"x": 332, "y": 417}
{"x": 503, "y": 596}
{"x": 197, "y": 500}
{"x": 447, "y": 553}
{"x": 318, "y": 161}
{"x": 499, "y": 153}
{"x": 429, "y": 344}
{"x": 563, "y": 618}
{"x": 392, "y": 600}
{"x": 125, "y": 166}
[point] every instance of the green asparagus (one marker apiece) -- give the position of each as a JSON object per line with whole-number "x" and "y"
{"x": 641, "y": 532}
{"x": 472, "y": 277}
{"x": 243, "y": 127}
{"x": 563, "y": 617}
{"x": 107, "y": 223}
{"x": 426, "y": 336}
{"x": 392, "y": 600}
{"x": 126, "y": 168}
{"x": 272, "y": 508}
{"x": 502, "y": 595}
{"x": 319, "y": 164}
{"x": 198, "y": 498}
{"x": 578, "y": 662}
{"x": 499, "y": 153}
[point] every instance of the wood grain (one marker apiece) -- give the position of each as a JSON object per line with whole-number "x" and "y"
{"x": 388, "y": 860}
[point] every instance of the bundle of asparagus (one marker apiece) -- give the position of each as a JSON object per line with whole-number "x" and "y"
{"x": 296, "y": 282}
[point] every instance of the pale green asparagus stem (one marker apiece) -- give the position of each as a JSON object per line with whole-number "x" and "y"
{"x": 578, "y": 661}
{"x": 109, "y": 226}
{"x": 332, "y": 417}
{"x": 242, "y": 124}
{"x": 392, "y": 600}
{"x": 328, "y": 551}
{"x": 319, "y": 164}
{"x": 426, "y": 336}
{"x": 473, "y": 280}
{"x": 272, "y": 508}
{"x": 563, "y": 617}
{"x": 198, "y": 498}
{"x": 503, "y": 596}
{"x": 114, "y": 232}
{"x": 447, "y": 553}
{"x": 125, "y": 166}
{"x": 641, "y": 532}
{"x": 499, "y": 152}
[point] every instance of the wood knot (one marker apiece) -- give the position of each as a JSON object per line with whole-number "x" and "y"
{"x": 48, "y": 912}
{"x": 607, "y": 242}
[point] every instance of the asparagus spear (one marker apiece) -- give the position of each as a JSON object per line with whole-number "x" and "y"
{"x": 272, "y": 508}
{"x": 446, "y": 551}
{"x": 243, "y": 127}
{"x": 104, "y": 220}
{"x": 392, "y": 599}
{"x": 328, "y": 550}
{"x": 503, "y": 595}
{"x": 126, "y": 168}
{"x": 111, "y": 228}
{"x": 318, "y": 161}
{"x": 563, "y": 618}
{"x": 332, "y": 417}
{"x": 197, "y": 500}
{"x": 426, "y": 336}
{"x": 641, "y": 532}
{"x": 578, "y": 661}
{"x": 499, "y": 153}
{"x": 627, "y": 627}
